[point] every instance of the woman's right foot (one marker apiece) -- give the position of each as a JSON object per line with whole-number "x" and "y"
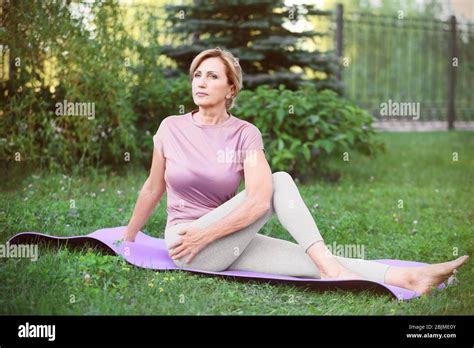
{"x": 424, "y": 278}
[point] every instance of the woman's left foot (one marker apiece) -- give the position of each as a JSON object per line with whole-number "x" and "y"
{"x": 423, "y": 279}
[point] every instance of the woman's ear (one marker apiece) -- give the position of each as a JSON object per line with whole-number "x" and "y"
{"x": 232, "y": 91}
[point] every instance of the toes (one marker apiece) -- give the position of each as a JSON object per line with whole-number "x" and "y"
{"x": 462, "y": 260}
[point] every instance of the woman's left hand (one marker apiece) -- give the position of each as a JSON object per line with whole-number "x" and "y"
{"x": 193, "y": 240}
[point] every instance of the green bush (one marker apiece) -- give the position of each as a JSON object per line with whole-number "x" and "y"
{"x": 62, "y": 59}
{"x": 301, "y": 129}
{"x": 59, "y": 60}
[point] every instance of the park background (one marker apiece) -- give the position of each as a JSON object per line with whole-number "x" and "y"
{"x": 315, "y": 77}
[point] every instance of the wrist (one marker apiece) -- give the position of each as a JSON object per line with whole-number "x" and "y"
{"x": 131, "y": 232}
{"x": 210, "y": 234}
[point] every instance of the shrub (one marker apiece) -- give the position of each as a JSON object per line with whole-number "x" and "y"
{"x": 302, "y": 129}
{"x": 61, "y": 60}
{"x": 101, "y": 64}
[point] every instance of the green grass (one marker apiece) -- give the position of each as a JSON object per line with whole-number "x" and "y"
{"x": 363, "y": 208}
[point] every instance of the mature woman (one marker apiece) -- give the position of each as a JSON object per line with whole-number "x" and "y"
{"x": 200, "y": 158}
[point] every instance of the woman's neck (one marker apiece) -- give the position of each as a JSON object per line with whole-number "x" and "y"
{"x": 211, "y": 116}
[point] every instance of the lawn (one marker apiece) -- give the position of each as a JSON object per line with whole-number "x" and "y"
{"x": 413, "y": 202}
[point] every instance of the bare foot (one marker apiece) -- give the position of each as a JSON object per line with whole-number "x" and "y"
{"x": 423, "y": 279}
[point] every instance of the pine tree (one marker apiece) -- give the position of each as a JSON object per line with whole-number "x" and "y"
{"x": 253, "y": 31}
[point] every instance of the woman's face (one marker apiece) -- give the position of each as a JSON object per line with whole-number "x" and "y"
{"x": 211, "y": 80}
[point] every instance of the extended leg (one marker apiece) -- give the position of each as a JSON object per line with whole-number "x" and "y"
{"x": 266, "y": 254}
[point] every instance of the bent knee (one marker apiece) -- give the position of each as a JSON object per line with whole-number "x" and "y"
{"x": 281, "y": 178}
{"x": 281, "y": 175}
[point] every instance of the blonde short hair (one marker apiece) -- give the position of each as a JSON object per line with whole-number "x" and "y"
{"x": 232, "y": 69}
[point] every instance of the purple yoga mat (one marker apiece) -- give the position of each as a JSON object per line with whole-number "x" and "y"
{"x": 150, "y": 252}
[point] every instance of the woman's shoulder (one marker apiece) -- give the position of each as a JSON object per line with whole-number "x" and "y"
{"x": 248, "y": 128}
{"x": 246, "y": 125}
{"x": 171, "y": 119}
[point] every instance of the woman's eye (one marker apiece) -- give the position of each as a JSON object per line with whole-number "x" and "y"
{"x": 213, "y": 76}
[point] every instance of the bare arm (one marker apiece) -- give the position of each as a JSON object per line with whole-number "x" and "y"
{"x": 149, "y": 196}
{"x": 259, "y": 191}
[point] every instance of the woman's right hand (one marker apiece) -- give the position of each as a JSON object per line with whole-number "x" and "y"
{"x": 128, "y": 236}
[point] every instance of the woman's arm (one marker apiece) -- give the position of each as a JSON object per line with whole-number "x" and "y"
{"x": 149, "y": 196}
{"x": 259, "y": 192}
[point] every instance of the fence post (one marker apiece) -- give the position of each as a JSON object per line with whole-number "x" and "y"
{"x": 451, "y": 73}
{"x": 339, "y": 37}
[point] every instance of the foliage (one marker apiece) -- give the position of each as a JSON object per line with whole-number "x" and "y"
{"x": 302, "y": 128}
{"x": 258, "y": 34}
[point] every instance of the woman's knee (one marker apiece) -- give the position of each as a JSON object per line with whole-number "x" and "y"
{"x": 281, "y": 179}
{"x": 281, "y": 176}
{"x": 199, "y": 262}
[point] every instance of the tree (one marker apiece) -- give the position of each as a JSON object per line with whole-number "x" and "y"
{"x": 256, "y": 33}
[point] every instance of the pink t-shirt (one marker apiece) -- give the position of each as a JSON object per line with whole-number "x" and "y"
{"x": 204, "y": 163}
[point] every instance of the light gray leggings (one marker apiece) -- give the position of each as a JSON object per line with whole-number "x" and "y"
{"x": 247, "y": 250}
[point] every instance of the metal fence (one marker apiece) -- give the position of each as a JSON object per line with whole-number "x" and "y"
{"x": 385, "y": 60}
{"x": 391, "y": 63}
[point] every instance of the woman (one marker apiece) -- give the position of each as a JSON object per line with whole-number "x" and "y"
{"x": 206, "y": 153}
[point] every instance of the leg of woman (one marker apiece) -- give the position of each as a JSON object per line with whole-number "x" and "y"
{"x": 293, "y": 214}
{"x": 266, "y": 254}
{"x": 419, "y": 279}
{"x": 218, "y": 255}
{"x": 289, "y": 207}
{"x": 296, "y": 218}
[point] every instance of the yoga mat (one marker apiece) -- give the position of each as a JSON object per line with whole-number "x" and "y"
{"x": 149, "y": 252}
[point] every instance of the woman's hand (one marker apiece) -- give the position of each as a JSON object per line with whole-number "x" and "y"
{"x": 128, "y": 236}
{"x": 193, "y": 240}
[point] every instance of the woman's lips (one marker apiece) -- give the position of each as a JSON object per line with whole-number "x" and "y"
{"x": 201, "y": 94}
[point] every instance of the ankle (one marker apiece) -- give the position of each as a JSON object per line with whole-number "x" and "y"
{"x": 330, "y": 273}
{"x": 329, "y": 266}
{"x": 404, "y": 277}
{"x": 324, "y": 260}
